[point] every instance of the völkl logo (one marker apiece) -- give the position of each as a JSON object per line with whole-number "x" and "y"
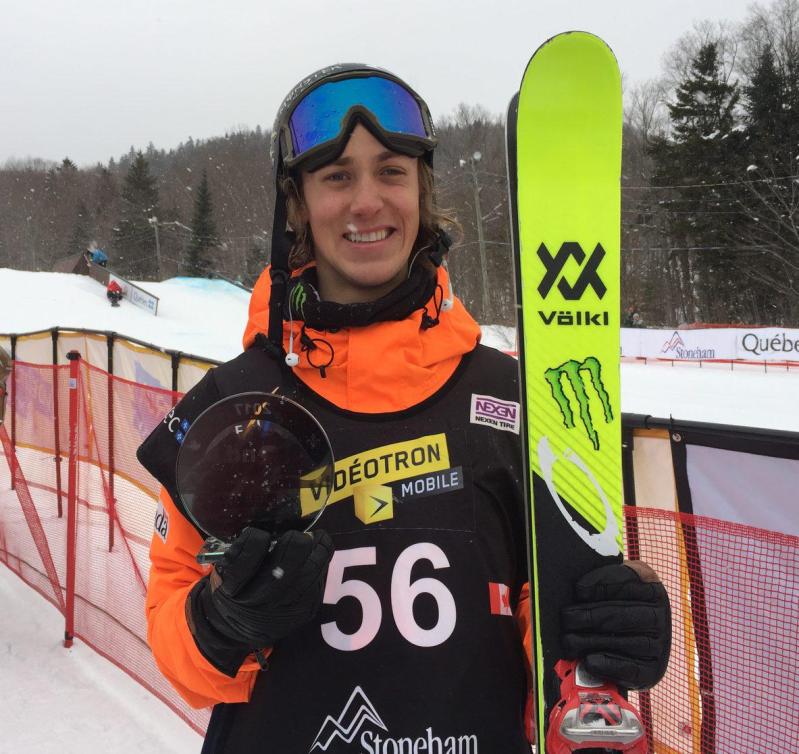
{"x": 589, "y": 275}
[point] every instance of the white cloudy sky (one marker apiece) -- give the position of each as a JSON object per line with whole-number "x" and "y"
{"x": 90, "y": 78}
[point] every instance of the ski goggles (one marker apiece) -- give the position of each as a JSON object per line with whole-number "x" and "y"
{"x": 320, "y": 123}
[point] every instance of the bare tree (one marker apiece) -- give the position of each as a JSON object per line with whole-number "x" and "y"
{"x": 677, "y": 60}
{"x": 775, "y": 26}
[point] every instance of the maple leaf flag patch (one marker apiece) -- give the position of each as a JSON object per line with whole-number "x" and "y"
{"x": 499, "y": 595}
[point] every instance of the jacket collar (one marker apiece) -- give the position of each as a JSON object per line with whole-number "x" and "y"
{"x": 381, "y": 366}
{"x": 304, "y": 304}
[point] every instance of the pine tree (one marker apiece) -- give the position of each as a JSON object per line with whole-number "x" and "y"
{"x": 81, "y": 233}
{"x": 133, "y": 235}
{"x": 204, "y": 238}
{"x": 68, "y": 167}
{"x": 695, "y": 164}
{"x": 764, "y": 98}
{"x": 768, "y": 200}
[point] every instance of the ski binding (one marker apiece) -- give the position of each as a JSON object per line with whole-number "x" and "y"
{"x": 592, "y": 714}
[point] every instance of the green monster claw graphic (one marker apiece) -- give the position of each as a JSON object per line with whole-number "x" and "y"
{"x": 571, "y": 369}
{"x": 298, "y": 298}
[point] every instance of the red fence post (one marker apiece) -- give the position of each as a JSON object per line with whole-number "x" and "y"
{"x": 72, "y": 495}
{"x": 111, "y": 450}
{"x": 13, "y": 379}
{"x": 56, "y": 428}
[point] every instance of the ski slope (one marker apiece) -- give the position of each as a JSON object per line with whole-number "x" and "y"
{"x": 197, "y": 316}
{"x": 66, "y": 701}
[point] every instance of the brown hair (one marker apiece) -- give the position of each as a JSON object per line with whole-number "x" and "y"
{"x": 431, "y": 217}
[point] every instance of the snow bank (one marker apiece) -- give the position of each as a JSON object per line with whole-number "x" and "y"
{"x": 70, "y": 701}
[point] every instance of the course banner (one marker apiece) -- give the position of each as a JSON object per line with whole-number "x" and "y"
{"x": 137, "y": 296}
{"x": 717, "y": 343}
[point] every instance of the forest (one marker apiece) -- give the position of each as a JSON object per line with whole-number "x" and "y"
{"x": 710, "y": 192}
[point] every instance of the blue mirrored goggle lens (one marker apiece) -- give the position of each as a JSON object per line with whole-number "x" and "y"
{"x": 319, "y": 116}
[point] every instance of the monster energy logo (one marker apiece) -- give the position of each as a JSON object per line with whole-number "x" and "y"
{"x": 298, "y": 298}
{"x": 573, "y": 371}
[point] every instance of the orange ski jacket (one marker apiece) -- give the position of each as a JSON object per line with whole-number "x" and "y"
{"x": 383, "y": 367}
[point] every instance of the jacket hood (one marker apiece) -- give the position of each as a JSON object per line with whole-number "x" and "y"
{"x": 379, "y": 368}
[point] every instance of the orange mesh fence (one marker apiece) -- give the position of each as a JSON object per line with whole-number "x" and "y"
{"x": 732, "y": 682}
{"x": 732, "y": 686}
{"x": 114, "y": 511}
{"x": 24, "y": 544}
{"x": 29, "y": 544}
{"x": 114, "y": 526}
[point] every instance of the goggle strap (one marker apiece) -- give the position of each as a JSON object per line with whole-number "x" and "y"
{"x": 443, "y": 243}
{"x": 278, "y": 270}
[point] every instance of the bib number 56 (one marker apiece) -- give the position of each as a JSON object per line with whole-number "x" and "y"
{"x": 403, "y": 594}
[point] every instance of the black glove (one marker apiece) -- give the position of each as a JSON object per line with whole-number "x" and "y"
{"x": 621, "y": 625}
{"x": 256, "y": 595}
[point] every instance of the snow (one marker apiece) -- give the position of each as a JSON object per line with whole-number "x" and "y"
{"x": 105, "y": 709}
{"x": 197, "y": 316}
{"x": 745, "y": 395}
{"x": 69, "y": 701}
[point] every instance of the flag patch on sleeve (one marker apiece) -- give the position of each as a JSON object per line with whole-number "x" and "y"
{"x": 499, "y": 596}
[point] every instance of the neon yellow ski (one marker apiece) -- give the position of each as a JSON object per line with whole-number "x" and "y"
{"x": 567, "y": 140}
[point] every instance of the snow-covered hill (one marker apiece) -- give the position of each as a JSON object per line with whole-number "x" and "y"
{"x": 197, "y": 316}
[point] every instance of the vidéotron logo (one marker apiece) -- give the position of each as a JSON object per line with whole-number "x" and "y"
{"x": 588, "y": 277}
{"x": 360, "y": 720}
{"x": 573, "y": 371}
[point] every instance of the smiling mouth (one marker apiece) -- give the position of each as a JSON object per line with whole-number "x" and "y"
{"x": 377, "y": 235}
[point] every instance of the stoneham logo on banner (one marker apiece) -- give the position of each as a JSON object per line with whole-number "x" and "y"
{"x": 676, "y": 346}
{"x": 674, "y": 342}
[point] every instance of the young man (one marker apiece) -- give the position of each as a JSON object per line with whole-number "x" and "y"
{"x": 380, "y": 633}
